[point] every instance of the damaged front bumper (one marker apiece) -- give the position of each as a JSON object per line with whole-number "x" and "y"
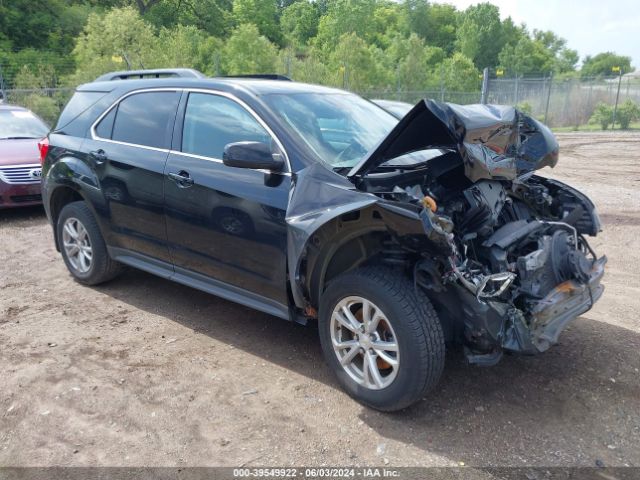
{"x": 564, "y": 303}
{"x": 493, "y": 327}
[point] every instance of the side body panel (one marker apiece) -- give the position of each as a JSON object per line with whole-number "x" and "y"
{"x": 131, "y": 186}
{"x": 229, "y": 225}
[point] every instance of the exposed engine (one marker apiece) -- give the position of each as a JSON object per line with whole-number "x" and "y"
{"x": 516, "y": 249}
{"x": 501, "y": 241}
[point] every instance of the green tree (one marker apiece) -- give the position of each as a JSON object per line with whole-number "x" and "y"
{"x": 459, "y": 74}
{"x": 602, "y": 64}
{"x": 354, "y": 64}
{"x": 36, "y": 60}
{"x": 413, "y": 62}
{"x": 36, "y": 97}
{"x": 189, "y": 47}
{"x": 344, "y": 17}
{"x": 299, "y": 22}
{"x": 309, "y": 69}
{"x": 512, "y": 33}
{"x": 246, "y": 51}
{"x": 442, "y": 22}
{"x": 480, "y": 35}
{"x": 41, "y": 24}
{"x": 526, "y": 57}
{"x": 116, "y": 40}
{"x": 549, "y": 40}
{"x": 261, "y": 13}
{"x": 416, "y": 13}
{"x": 387, "y": 22}
{"x": 565, "y": 58}
{"x": 212, "y": 16}
{"x": 543, "y": 53}
{"x": 145, "y": 5}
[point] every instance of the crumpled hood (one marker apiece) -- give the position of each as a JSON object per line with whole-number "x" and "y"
{"x": 495, "y": 141}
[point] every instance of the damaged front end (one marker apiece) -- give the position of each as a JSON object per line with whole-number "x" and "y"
{"x": 513, "y": 276}
{"x": 508, "y": 264}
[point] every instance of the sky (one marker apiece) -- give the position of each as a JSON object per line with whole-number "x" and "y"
{"x": 589, "y": 26}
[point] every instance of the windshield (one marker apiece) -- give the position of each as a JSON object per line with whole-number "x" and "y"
{"x": 339, "y": 127}
{"x": 398, "y": 109}
{"x": 17, "y": 124}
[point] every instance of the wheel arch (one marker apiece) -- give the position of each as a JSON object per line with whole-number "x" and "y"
{"x": 349, "y": 241}
{"x": 59, "y": 198}
{"x": 68, "y": 180}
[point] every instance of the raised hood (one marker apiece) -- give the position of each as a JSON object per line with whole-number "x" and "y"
{"x": 494, "y": 141}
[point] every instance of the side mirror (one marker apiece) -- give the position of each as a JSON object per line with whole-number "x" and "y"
{"x": 256, "y": 155}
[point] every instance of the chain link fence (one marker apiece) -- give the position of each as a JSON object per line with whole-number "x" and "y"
{"x": 558, "y": 103}
{"x": 462, "y": 98}
{"x": 562, "y": 102}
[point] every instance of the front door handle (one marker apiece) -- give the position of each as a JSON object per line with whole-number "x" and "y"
{"x": 98, "y": 156}
{"x": 182, "y": 178}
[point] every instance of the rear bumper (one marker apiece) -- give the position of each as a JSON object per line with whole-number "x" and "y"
{"x": 23, "y": 195}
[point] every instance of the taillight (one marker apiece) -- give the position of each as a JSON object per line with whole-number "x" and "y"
{"x": 43, "y": 146}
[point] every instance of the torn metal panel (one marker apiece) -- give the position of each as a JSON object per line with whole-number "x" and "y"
{"x": 495, "y": 142}
{"x": 318, "y": 196}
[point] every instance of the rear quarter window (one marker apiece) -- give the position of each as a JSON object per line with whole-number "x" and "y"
{"x": 79, "y": 103}
{"x": 104, "y": 129}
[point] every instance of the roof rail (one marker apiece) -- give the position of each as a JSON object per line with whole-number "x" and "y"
{"x": 156, "y": 73}
{"x": 263, "y": 76}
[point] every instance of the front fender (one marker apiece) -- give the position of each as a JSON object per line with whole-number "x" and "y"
{"x": 320, "y": 197}
{"x": 575, "y": 207}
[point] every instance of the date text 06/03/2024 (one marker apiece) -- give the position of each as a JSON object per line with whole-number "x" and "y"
{"x": 328, "y": 473}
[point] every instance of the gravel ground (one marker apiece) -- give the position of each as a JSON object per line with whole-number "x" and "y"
{"x": 143, "y": 371}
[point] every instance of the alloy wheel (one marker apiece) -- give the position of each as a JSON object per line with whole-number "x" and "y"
{"x": 364, "y": 342}
{"x": 77, "y": 245}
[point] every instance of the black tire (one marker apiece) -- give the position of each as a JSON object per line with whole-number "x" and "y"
{"x": 102, "y": 268}
{"x": 417, "y": 330}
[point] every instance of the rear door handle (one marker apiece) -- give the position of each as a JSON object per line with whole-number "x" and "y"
{"x": 98, "y": 156}
{"x": 182, "y": 178}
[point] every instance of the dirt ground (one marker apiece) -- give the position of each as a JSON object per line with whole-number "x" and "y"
{"x": 143, "y": 371}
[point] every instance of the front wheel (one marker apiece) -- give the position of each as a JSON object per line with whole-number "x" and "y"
{"x": 381, "y": 337}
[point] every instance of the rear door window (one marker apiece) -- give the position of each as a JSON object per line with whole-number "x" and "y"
{"x": 213, "y": 121}
{"x": 142, "y": 119}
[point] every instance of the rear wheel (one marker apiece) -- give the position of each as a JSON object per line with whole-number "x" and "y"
{"x": 82, "y": 246}
{"x": 381, "y": 337}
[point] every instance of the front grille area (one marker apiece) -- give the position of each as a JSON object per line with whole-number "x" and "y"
{"x": 21, "y": 175}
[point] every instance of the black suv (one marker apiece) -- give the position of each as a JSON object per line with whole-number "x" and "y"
{"x": 307, "y": 202}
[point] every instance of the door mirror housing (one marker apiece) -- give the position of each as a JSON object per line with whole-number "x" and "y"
{"x": 256, "y": 155}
